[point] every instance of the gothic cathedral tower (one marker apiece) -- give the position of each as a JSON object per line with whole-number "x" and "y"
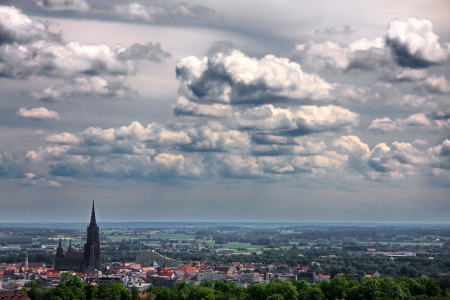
{"x": 92, "y": 247}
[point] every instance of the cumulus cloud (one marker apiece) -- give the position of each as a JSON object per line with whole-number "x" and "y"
{"x": 10, "y": 167}
{"x": 63, "y": 5}
{"x": 437, "y": 85}
{"x": 184, "y": 107}
{"x": 383, "y": 165}
{"x": 411, "y": 44}
{"x": 130, "y": 11}
{"x": 28, "y": 49}
{"x": 151, "y": 13}
{"x": 414, "y": 44}
{"x": 385, "y": 124}
{"x": 61, "y": 162}
{"x": 37, "y": 180}
{"x": 38, "y": 114}
{"x": 345, "y": 30}
{"x": 152, "y": 52}
{"x": 298, "y": 120}
{"x": 420, "y": 142}
{"x": 205, "y": 139}
{"x": 235, "y": 78}
{"x": 64, "y": 138}
{"x": 18, "y": 28}
{"x": 361, "y": 54}
{"x": 407, "y": 75}
{"x": 86, "y": 86}
{"x": 440, "y": 155}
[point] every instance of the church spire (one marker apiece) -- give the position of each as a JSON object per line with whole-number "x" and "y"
{"x": 93, "y": 221}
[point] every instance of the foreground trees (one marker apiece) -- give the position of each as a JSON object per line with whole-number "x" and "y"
{"x": 73, "y": 288}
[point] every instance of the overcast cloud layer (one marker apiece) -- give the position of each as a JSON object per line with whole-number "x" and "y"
{"x": 197, "y": 111}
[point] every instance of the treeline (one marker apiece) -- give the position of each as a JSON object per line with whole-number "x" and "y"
{"x": 15, "y": 241}
{"x": 40, "y": 232}
{"x": 319, "y": 234}
{"x": 73, "y": 288}
{"x": 11, "y": 258}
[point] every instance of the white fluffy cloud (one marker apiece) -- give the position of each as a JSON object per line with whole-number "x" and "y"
{"x": 411, "y": 43}
{"x": 233, "y": 77}
{"x": 360, "y": 54}
{"x": 39, "y": 114}
{"x": 64, "y": 138}
{"x": 184, "y": 107}
{"x": 414, "y": 44}
{"x": 297, "y": 120}
{"x": 385, "y": 124}
{"x": 237, "y": 116}
{"x": 28, "y": 49}
{"x": 18, "y": 28}
{"x": 61, "y": 162}
{"x": 438, "y": 85}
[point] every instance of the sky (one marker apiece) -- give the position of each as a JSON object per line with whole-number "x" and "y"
{"x": 280, "y": 110}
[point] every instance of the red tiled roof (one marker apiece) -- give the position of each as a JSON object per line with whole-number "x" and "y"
{"x": 13, "y": 295}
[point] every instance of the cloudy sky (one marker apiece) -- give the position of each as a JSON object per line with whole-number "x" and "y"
{"x": 291, "y": 110}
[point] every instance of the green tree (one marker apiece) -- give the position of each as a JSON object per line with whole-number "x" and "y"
{"x": 284, "y": 288}
{"x": 134, "y": 293}
{"x": 257, "y": 291}
{"x": 112, "y": 291}
{"x": 201, "y": 293}
{"x": 224, "y": 289}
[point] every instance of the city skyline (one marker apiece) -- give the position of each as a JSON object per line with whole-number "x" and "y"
{"x": 289, "y": 111}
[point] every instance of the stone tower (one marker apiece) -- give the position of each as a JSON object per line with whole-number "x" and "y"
{"x": 92, "y": 247}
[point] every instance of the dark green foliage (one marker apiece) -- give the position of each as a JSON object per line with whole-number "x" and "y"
{"x": 370, "y": 288}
